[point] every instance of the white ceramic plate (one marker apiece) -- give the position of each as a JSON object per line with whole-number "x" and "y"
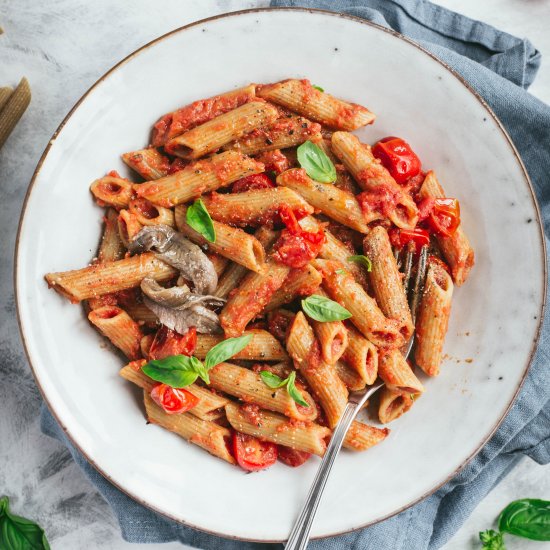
{"x": 495, "y": 316}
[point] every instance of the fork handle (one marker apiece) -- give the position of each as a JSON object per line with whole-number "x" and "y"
{"x": 299, "y": 536}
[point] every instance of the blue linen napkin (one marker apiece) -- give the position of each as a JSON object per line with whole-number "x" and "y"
{"x": 500, "y": 67}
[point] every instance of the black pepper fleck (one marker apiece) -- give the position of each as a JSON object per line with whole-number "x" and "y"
{"x": 335, "y": 49}
{"x": 304, "y": 124}
{"x": 290, "y": 132}
{"x": 268, "y": 141}
{"x": 501, "y": 377}
{"x": 529, "y": 220}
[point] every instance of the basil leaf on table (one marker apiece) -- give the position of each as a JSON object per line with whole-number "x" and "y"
{"x": 176, "y": 371}
{"x": 362, "y": 260}
{"x": 528, "y": 518}
{"x": 275, "y": 382}
{"x": 324, "y": 309}
{"x": 17, "y": 533}
{"x": 199, "y": 219}
{"x": 492, "y": 540}
{"x": 316, "y": 163}
{"x": 318, "y": 87}
{"x": 226, "y": 349}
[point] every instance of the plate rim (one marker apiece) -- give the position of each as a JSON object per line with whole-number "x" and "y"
{"x": 237, "y": 13}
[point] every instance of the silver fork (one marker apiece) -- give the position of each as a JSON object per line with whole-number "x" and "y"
{"x": 299, "y": 536}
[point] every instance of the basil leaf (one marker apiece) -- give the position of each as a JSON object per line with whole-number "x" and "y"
{"x": 17, "y": 533}
{"x": 362, "y": 260}
{"x": 323, "y": 309}
{"x": 316, "y": 163}
{"x": 318, "y": 87}
{"x": 340, "y": 271}
{"x": 272, "y": 380}
{"x": 293, "y": 391}
{"x": 199, "y": 219}
{"x": 492, "y": 540}
{"x": 226, "y": 349}
{"x": 528, "y": 518}
{"x": 177, "y": 371}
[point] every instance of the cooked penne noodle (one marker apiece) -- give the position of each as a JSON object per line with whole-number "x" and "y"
{"x": 301, "y": 97}
{"x": 251, "y": 297}
{"x": 248, "y": 386}
{"x": 366, "y": 314}
{"x": 263, "y": 346}
{"x": 361, "y": 356}
{"x": 433, "y": 319}
{"x": 97, "y": 279}
{"x": 147, "y": 213}
{"x": 219, "y": 262}
{"x": 285, "y": 132}
{"x": 253, "y": 207}
{"x": 386, "y": 280}
{"x": 145, "y": 343}
{"x": 209, "y": 407}
{"x": 372, "y": 176}
{"x": 397, "y": 374}
{"x": 197, "y": 178}
{"x": 123, "y": 332}
{"x": 299, "y": 282}
{"x": 139, "y": 312}
{"x": 111, "y": 247}
{"x": 393, "y": 404}
{"x": 177, "y": 122}
{"x": 331, "y": 201}
{"x": 456, "y": 248}
{"x": 112, "y": 191}
{"x": 149, "y": 163}
{"x": 320, "y": 376}
{"x": 361, "y": 437}
{"x": 14, "y": 107}
{"x": 349, "y": 377}
{"x": 128, "y": 226}
{"x": 223, "y": 129}
{"x": 210, "y": 436}
{"x": 231, "y": 242}
{"x": 269, "y": 426}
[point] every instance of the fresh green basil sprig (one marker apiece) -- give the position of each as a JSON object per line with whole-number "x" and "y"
{"x": 318, "y": 87}
{"x": 528, "y": 518}
{"x": 324, "y": 309}
{"x": 199, "y": 219}
{"x": 179, "y": 371}
{"x": 361, "y": 260}
{"x": 275, "y": 382}
{"x": 17, "y": 533}
{"x": 316, "y": 163}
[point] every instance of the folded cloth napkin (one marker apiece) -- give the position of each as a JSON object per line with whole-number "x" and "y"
{"x": 500, "y": 68}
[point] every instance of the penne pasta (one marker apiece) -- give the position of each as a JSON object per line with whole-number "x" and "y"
{"x": 331, "y": 201}
{"x": 393, "y": 404}
{"x": 361, "y": 355}
{"x": 349, "y": 377}
{"x": 112, "y": 191}
{"x": 111, "y": 247}
{"x": 128, "y": 226}
{"x": 231, "y": 242}
{"x": 197, "y": 178}
{"x": 15, "y": 104}
{"x": 149, "y": 163}
{"x": 361, "y": 437}
{"x": 299, "y": 282}
{"x": 146, "y": 213}
{"x": 301, "y": 97}
{"x": 397, "y": 374}
{"x": 433, "y": 319}
{"x": 139, "y": 312}
{"x": 123, "y": 332}
{"x": 456, "y": 248}
{"x": 145, "y": 344}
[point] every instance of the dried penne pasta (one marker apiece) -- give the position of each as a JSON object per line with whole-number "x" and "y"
{"x": 456, "y": 248}
{"x": 386, "y": 280}
{"x": 111, "y": 247}
{"x": 197, "y": 178}
{"x": 301, "y": 97}
{"x": 223, "y": 129}
{"x": 331, "y": 201}
{"x": 98, "y": 279}
{"x": 299, "y": 282}
{"x": 123, "y": 332}
{"x": 206, "y": 434}
{"x": 14, "y": 107}
{"x": 147, "y": 213}
{"x": 231, "y": 242}
{"x": 393, "y": 404}
{"x": 149, "y": 163}
{"x": 397, "y": 374}
{"x": 5, "y": 93}
{"x": 433, "y": 319}
{"x": 269, "y": 426}
{"x": 112, "y": 191}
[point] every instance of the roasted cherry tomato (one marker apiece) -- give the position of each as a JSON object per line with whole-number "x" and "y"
{"x": 445, "y": 216}
{"x": 298, "y": 250}
{"x": 173, "y": 400}
{"x": 249, "y": 183}
{"x": 252, "y": 454}
{"x": 287, "y": 216}
{"x": 168, "y": 342}
{"x": 398, "y": 158}
{"x": 400, "y": 237}
{"x": 292, "y": 457}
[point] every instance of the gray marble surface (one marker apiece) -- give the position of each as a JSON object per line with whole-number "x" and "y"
{"x": 63, "y": 46}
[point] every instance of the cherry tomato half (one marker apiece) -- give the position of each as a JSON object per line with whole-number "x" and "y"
{"x": 287, "y": 216}
{"x": 249, "y": 183}
{"x": 252, "y": 454}
{"x": 292, "y": 457}
{"x": 173, "y": 400}
{"x": 169, "y": 342}
{"x": 400, "y": 237}
{"x": 398, "y": 158}
{"x": 297, "y": 250}
{"x": 444, "y": 218}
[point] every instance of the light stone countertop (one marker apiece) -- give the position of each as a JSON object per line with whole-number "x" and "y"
{"x": 63, "y": 46}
